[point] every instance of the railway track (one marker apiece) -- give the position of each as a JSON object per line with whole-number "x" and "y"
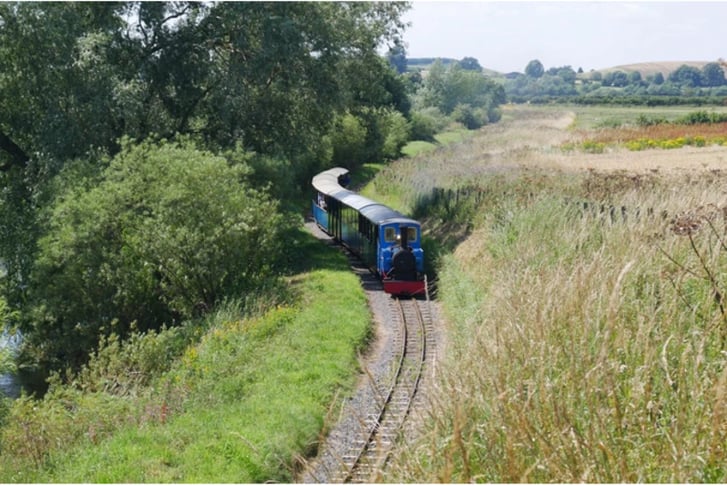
{"x": 397, "y": 371}
{"x": 368, "y": 450}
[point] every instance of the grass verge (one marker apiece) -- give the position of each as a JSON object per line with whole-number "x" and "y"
{"x": 242, "y": 404}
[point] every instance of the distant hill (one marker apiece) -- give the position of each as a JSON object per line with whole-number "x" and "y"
{"x": 423, "y": 64}
{"x": 647, "y": 68}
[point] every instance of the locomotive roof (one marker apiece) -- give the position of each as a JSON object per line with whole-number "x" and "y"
{"x": 327, "y": 183}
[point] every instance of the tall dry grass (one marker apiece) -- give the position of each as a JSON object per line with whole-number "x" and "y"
{"x": 580, "y": 349}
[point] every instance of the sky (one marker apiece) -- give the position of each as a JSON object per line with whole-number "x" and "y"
{"x": 506, "y": 35}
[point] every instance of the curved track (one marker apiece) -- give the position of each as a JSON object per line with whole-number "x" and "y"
{"x": 369, "y": 450}
{"x": 357, "y": 446}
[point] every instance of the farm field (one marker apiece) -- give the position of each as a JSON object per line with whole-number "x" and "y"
{"x": 582, "y": 345}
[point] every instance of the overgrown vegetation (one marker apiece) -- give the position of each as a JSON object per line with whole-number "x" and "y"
{"x": 697, "y": 129}
{"x": 208, "y": 401}
{"x": 140, "y": 249}
{"x": 581, "y": 347}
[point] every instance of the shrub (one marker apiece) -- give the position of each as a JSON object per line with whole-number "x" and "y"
{"x": 168, "y": 232}
{"x": 348, "y": 138}
{"x": 396, "y": 133}
{"x": 423, "y": 126}
{"x": 467, "y": 116}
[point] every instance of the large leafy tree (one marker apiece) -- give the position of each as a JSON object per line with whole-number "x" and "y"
{"x": 686, "y": 76}
{"x": 143, "y": 247}
{"x": 450, "y": 88}
{"x": 264, "y": 77}
{"x": 534, "y": 69}
{"x": 267, "y": 74}
{"x": 713, "y": 74}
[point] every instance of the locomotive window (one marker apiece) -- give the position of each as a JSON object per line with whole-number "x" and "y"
{"x": 390, "y": 235}
{"x": 411, "y": 234}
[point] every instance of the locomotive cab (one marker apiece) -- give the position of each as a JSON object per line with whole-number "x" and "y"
{"x": 402, "y": 259}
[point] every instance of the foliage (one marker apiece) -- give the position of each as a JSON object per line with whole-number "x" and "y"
{"x": 397, "y": 58}
{"x": 697, "y": 117}
{"x": 142, "y": 247}
{"x": 686, "y": 75}
{"x": 425, "y": 124}
{"x": 471, "y": 119}
{"x": 396, "y": 131}
{"x": 135, "y": 68}
{"x": 534, "y": 69}
{"x": 466, "y": 96}
{"x": 348, "y": 139}
{"x": 713, "y": 75}
{"x": 265, "y": 77}
{"x": 7, "y": 358}
{"x": 223, "y": 411}
{"x": 470, "y": 64}
{"x": 685, "y": 85}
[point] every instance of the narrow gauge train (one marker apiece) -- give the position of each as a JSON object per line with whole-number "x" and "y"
{"x": 388, "y": 242}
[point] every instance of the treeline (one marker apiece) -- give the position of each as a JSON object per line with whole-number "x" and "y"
{"x": 684, "y": 85}
{"x": 153, "y": 156}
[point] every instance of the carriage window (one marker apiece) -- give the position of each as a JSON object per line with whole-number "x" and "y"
{"x": 411, "y": 234}
{"x": 390, "y": 235}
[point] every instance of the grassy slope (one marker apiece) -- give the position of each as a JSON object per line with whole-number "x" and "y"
{"x": 256, "y": 394}
{"x": 578, "y": 351}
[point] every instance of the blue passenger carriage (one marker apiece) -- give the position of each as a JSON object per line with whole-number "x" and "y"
{"x": 388, "y": 242}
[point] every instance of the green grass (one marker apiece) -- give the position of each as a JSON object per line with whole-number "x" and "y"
{"x": 412, "y": 149}
{"x": 447, "y": 137}
{"x": 452, "y": 136}
{"x": 240, "y": 406}
{"x": 588, "y": 117}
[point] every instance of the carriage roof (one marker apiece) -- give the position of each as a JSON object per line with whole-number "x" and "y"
{"x": 327, "y": 183}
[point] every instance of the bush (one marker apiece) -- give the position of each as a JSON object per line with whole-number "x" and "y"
{"x": 396, "y": 133}
{"x": 348, "y": 138}
{"x": 469, "y": 117}
{"x": 423, "y": 126}
{"x": 168, "y": 232}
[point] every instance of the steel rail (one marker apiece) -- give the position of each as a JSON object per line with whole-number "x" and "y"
{"x": 372, "y": 452}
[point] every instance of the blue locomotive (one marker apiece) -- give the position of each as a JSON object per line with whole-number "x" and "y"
{"x": 388, "y": 242}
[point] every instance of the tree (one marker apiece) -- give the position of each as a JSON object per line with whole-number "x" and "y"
{"x": 264, "y": 74}
{"x": 713, "y": 75}
{"x": 567, "y": 74}
{"x": 56, "y": 93}
{"x": 467, "y": 96}
{"x": 470, "y": 64}
{"x": 142, "y": 248}
{"x": 397, "y": 58}
{"x": 616, "y": 79}
{"x": 686, "y": 76}
{"x": 534, "y": 69}
{"x": 634, "y": 78}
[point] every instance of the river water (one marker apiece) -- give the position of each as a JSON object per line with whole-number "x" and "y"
{"x": 9, "y": 382}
